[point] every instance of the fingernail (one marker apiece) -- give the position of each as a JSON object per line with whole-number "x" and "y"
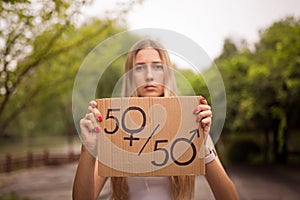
{"x": 100, "y": 118}
{"x": 97, "y": 129}
{"x": 94, "y": 104}
{"x": 202, "y": 99}
{"x": 195, "y": 110}
{"x": 198, "y": 119}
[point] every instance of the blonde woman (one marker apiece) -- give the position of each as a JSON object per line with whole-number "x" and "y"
{"x": 149, "y": 74}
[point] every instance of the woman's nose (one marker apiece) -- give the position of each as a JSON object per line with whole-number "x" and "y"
{"x": 149, "y": 75}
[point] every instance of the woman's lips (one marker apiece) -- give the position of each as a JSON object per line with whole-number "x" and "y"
{"x": 150, "y": 87}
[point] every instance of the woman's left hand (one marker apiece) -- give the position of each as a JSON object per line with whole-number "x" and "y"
{"x": 204, "y": 115}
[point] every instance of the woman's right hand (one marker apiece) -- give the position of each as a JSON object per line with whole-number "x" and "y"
{"x": 89, "y": 126}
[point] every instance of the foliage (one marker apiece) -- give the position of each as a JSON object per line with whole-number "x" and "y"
{"x": 190, "y": 83}
{"x": 263, "y": 86}
{"x": 43, "y": 47}
{"x": 23, "y": 22}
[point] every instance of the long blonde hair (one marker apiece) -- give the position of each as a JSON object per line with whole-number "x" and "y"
{"x": 182, "y": 187}
{"x": 129, "y": 87}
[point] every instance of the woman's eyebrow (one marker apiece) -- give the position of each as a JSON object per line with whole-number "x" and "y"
{"x": 140, "y": 63}
{"x": 143, "y": 63}
{"x": 157, "y": 62}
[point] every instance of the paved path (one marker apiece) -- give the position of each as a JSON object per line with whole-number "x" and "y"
{"x": 267, "y": 182}
{"x": 253, "y": 183}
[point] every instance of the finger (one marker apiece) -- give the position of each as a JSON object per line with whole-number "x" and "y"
{"x": 89, "y": 116}
{"x": 86, "y": 124}
{"x": 205, "y": 124}
{"x": 93, "y": 104}
{"x": 206, "y": 121}
{"x": 90, "y": 125}
{"x": 200, "y": 108}
{"x": 204, "y": 114}
{"x": 204, "y": 107}
{"x": 92, "y": 119}
{"x": 91, "y": 122}
{"x": 203, "y": 100}
{"x": 96, "y": 113}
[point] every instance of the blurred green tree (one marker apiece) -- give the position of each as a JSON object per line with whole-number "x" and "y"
{"x": 23, "y": 22}
{"x": 275, "y": 81}
{"x": 43, "y": 46}
{"x": 262, "y": 86}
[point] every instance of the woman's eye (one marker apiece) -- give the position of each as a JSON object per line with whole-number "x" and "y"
{"x": 139, "y": 68}
{"x": 158, "y": 67}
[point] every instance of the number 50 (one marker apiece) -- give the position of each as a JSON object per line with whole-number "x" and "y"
{"x": 166, "y": 153}
{"x": 109, "y": 115}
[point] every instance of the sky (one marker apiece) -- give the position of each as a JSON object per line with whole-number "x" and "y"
{"x": 206, "y": 22}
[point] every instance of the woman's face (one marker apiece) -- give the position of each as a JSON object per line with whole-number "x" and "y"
{"x": 148, "y": 73}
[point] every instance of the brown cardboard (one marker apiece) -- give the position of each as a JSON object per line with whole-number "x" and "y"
{"x": 149, "y": 136}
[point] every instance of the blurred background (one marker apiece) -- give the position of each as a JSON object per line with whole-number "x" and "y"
{"x": 255, "y": 45}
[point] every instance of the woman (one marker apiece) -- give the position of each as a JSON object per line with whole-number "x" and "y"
{"x": 149, "y": 74}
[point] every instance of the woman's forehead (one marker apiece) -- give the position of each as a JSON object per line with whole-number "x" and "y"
{"x": 147, "y": 55}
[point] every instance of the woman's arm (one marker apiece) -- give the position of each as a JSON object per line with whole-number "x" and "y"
{"x": 219, "y": 181}
{"x": 87, "y": 183}
{"x": 216, "y": 176}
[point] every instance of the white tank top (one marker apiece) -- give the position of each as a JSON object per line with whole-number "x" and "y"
{"x": 149, "y": 188}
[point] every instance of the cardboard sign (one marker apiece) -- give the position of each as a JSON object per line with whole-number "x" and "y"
{"x": 149, "y": 136}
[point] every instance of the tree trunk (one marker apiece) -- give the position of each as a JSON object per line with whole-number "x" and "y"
{"x": 279, "y": 143}
{"x": 267, "y": 146}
